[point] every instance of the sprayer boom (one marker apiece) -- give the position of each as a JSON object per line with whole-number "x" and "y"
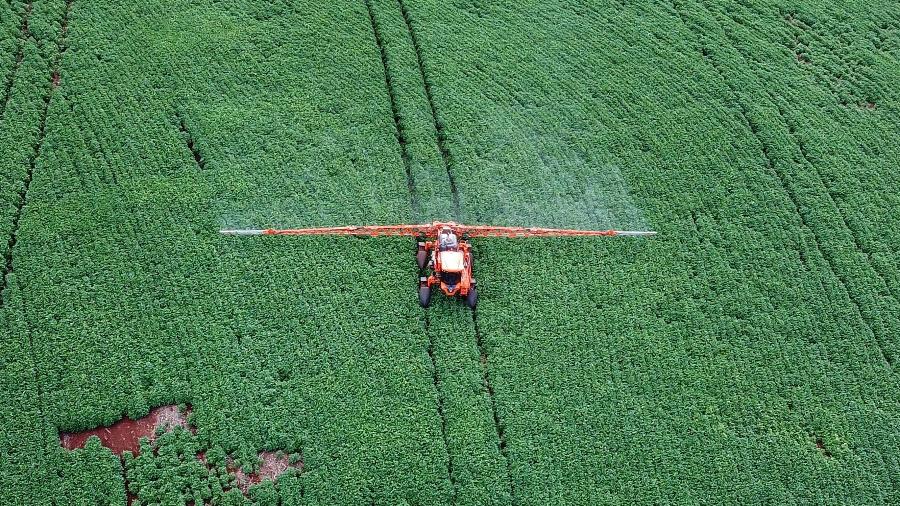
{"x": 431, "y": 230}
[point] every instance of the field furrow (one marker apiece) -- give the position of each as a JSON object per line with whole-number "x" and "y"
{"x": 412, "y": 112}
{"x": 745, "y": 354}
{"x": 22, "y": 120}
{"x": 395, "y": 112}
{"x": 19, "y": 55}
{"x": 439, "y": 126}
{"x": 772, "y": 164}
{"x": 612, "y": 351}
{"x": 815, "y": 202}
{"x": 489, "y": 388}
{"x": 480, "y": 472}
{"x": 36, "y": 149}
{"x": 435, "y": 375}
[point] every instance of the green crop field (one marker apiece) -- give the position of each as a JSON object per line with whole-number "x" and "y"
{"x": 747, "y": 354}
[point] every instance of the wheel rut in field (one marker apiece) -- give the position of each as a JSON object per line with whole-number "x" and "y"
{"x": 439, "y": 127}
{"x": 794, "y": 20}
{"x": 9, "y": 264}
{"x": 435, "y": 376}
{"x": 399, "y": 129}
{"x": 22, "y": 201}
{"x": 788, "y": 190}
{"x": 489, "y": 388}
{"x": 829, "y": 192}
{"x": 24, "y": 34}
{"x": 854, "y": 298}
{"x": 400, "y": 88}
{"x": 188, "y": 138}
{"x": 429, "y": 163}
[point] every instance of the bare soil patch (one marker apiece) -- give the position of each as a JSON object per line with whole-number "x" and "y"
{"x": 126, "y": 434}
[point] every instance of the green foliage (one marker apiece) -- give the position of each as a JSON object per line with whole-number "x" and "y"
{"x": 747, "y": 354}
{"x": 142, "y": 302}
{"x": 90, "y": 476}
{"x": 706, "y": 362}
{"x": 168, "y": 472}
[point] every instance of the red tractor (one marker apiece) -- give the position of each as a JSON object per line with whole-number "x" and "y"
{"x": 441, "y": 251}
{"x": 450, "y": 261}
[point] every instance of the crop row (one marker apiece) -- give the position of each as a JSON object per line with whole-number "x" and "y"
{"x": 32, "y": 29}
{"x": 719, "y": 359}
{"x": 745, "y": 354}
{"x": 130, "y": 298}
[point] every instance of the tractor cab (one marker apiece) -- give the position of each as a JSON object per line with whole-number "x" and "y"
{"x": 447, "y": 240}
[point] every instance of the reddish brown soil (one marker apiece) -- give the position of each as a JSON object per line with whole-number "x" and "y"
{"x": 56, "y": 79}
{"x": 271, "y": 468}
{"x": 126, "y": 434}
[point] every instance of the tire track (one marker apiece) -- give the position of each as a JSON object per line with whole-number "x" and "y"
{"x": 24, "y": 34}
{"x": 499, "y": 427}
{"x": 801, "y": 146}
{"x": 20, "y": 205}
{"x": 874, "y": 328}
{"x": 438, "y": 125}
{"x": 435, "y": 376}
{"x": 795, "y": 201}
{"x": 13, "y": 239}
{"x": 189, "y": 139}
{"x": 402, "y": 140}
{"x": 786, "y": 188}
{"x": 399, "y": 130}
{"x": 449, "y": 164}
{"x": 792, "y": 20}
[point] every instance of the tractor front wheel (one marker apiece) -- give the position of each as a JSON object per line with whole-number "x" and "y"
{"x": 424, "y": 295}
{"x": 472, "y": 298}
{"x": 421, "y": 256}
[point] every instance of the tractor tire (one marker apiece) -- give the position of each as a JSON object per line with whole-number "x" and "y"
{"x": 425, "y": 295}
{"x": 472, "y": 298}
{"x": 422, "y": 257}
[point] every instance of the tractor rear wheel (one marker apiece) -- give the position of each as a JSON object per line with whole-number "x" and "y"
{"x": 421, "y": 256}
{"x": 424, "y": 295}
{"x": 472, "y": 298}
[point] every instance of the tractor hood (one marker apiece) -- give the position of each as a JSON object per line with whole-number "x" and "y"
{"x": 451, "y": 261}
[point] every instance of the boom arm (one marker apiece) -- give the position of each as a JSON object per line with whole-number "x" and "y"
{"x": 432, "y": 230}
{"x": 514, "y": 232}
{"x": 372, "y": 230}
